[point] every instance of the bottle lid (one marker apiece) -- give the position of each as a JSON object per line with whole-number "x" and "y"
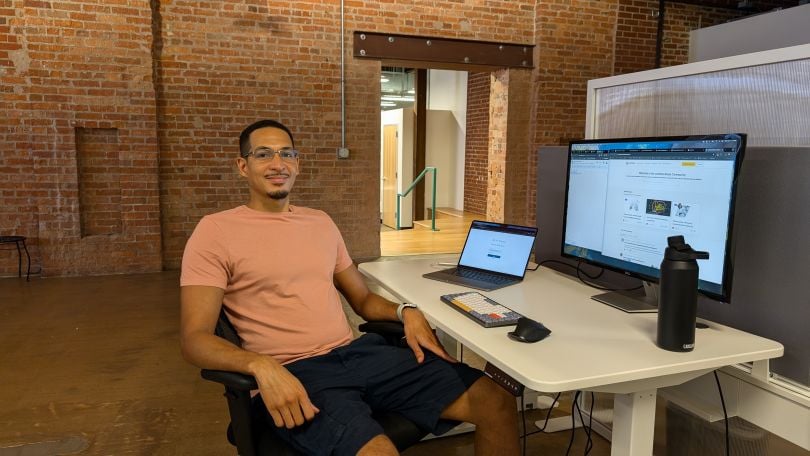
{"x": 679, "y": 250}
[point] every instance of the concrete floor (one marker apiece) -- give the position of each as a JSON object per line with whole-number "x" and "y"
{"x": 91, "y": 366}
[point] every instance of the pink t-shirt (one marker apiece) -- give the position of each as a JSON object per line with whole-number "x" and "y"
{"x": 277, "y": 272}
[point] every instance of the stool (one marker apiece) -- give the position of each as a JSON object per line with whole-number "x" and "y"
{"x": 18, "y": 241}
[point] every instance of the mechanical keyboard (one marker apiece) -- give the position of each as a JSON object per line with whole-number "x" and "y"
{"x": 481, "y": 309}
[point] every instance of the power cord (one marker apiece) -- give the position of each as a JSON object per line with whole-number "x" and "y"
{"x": 588, "y": 429}
{"x": 590, "y": 422}
{"x": 725, "y": 414}
{"x": 523, "y": 417}
{"x": 548, "y": 415}
{"x": 573, "y": 422}
{"x": 576, "y": 410}
{"x": 575, "y": 267}
{"x": 580, "y": 273}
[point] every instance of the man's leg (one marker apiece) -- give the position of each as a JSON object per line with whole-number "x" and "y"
{"x": 380, "y": 445}
{"x": 493, "y": 412}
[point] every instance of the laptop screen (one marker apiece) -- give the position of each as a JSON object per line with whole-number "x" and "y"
{"x": 498, "y": 247}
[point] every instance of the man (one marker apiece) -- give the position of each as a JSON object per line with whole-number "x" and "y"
{"x": 277, "y": 269}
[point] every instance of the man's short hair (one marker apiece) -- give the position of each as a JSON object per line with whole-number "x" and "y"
{"x": 244, "y": 137}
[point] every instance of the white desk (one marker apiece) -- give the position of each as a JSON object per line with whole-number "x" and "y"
{"x": 592, "y": 346}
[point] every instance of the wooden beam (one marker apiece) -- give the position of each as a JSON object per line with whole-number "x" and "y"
{"x": 461, "y": 54}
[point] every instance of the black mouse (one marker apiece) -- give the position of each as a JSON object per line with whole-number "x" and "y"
{"x": 528, "y": 331}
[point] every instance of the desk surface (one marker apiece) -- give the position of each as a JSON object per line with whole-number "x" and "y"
{"x": 591, "y": 345}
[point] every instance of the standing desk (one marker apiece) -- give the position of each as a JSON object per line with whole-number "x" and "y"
{"x": 592, "y": 346}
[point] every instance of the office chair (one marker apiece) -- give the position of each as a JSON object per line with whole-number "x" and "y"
{"x": 253, "y": 436}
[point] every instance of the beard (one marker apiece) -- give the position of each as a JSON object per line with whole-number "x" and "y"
{"x": 279, "y": 195}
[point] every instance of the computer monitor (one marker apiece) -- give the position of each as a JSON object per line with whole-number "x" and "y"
{"x": 625, "y": 196}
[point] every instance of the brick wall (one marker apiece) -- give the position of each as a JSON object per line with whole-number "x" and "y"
{"x": 98, "y": 164}
{"x": 476, "y": 143}
{"x": 227, "y": 63}
{"x": 575, "y": 42}
{"x": 68, "y": 65}
{"x": 637, "y": 28}
{"x": 184, "y": 77}
{"x": 582, "y": 40}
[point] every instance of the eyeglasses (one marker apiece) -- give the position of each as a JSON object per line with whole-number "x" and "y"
{"x": 265, "y": 154}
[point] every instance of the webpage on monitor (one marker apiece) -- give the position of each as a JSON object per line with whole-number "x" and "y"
{"x": 642, "y": 199}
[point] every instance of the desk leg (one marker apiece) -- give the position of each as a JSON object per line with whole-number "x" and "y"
{"x": 633, "y": 424}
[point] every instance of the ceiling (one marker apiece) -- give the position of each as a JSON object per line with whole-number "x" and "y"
{"x": 397, "y": 88}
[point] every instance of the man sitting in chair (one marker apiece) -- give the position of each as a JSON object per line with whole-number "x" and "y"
{"x": 277, "y": 269}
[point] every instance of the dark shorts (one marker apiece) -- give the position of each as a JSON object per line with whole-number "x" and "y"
{"x": 368, "y": 375}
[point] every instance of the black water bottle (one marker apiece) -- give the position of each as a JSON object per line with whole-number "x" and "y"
{"x": 677, "y": 297}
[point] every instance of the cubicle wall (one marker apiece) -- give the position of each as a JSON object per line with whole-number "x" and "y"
{"x": 767, "y": 96}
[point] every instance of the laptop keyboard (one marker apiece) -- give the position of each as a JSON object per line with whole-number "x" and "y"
{"x": 483, "y": 276}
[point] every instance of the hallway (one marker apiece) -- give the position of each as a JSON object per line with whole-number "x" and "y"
{"x": 452, "y": 226}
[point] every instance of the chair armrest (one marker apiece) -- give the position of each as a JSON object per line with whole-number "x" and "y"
{"x": 393, "y": 331}
{"x": 230, "y": 379}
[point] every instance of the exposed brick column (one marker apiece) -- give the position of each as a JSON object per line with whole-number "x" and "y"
{"x": 519, "y": 148}
{"x": 509, "y": 146}
{"x": 496, "y": 160}
{"x": 476, "y": 143}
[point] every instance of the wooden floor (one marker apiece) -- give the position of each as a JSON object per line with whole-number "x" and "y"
{"x": 452, "y": 228}
{"x": 91, "y": 366}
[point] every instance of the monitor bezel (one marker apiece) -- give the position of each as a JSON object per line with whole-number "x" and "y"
{"x": 728, "y": 266}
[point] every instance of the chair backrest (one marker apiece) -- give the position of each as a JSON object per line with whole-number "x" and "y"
{"x": 226, "y": 330}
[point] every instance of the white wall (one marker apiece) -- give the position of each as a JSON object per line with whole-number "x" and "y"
{"x": 447, "y": 91}
{"x": 403, "y": 119}
{"x": 441, "y": 151}
{"x": 788, "y": 27}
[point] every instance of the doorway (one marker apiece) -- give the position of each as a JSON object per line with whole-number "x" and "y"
{"x": 444, "y": 148}
{"x": 389, "y": 175}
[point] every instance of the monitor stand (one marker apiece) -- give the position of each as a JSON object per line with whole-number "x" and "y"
{"x": 647, "y": 303}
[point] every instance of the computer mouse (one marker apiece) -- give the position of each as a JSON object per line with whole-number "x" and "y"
{"x": 528, "y": 330}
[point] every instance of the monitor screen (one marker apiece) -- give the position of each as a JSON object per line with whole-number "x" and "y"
{"x": 624, "y": 197}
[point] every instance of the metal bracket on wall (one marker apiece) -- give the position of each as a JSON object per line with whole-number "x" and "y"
{"x": 441, "y": 52}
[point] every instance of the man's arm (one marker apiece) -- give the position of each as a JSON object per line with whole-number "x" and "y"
{"x": 373, "y": 307}
{"x": 285, "y": 397}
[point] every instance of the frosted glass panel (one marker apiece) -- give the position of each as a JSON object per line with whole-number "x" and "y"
{"x": 771, "y": 103}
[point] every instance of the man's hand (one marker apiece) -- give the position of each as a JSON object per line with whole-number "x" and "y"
{"x": 418, "y": 334}
{"x": 283, "y": 395}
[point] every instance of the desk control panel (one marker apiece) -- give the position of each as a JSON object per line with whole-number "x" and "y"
{"x": 502, "y": 378}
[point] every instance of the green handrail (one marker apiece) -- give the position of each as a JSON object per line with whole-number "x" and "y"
{"x": 416, "y": 181}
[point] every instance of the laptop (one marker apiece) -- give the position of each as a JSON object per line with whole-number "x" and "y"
{"x": 495, "y": 255}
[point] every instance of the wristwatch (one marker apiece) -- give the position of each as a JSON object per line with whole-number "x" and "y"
{"x": 402, "y": 307}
